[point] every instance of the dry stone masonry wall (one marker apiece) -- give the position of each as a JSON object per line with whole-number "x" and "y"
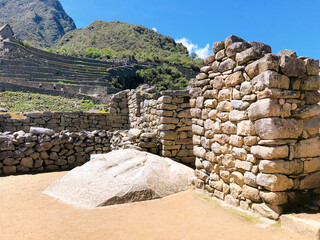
{"x": 44, "y": 150}
{"x": 59, "y": 121}
{"x": 256, "y": 126}
{"x": 175, "y": 126}
{"x": 117, "y": 118}
{"x": 168, "y": 115}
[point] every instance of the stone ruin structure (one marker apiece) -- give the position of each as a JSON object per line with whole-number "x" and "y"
{"x": 157, "y": 123}
{"x": 6, "y": 35}
{"x": 6, "y": 32}
{"x": 249, "y": 124}
{"x": 256, "y": 126}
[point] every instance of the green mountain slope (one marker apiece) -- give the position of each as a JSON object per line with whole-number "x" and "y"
{"x": 119, "y": 39}
{"x": 41, "y": 22}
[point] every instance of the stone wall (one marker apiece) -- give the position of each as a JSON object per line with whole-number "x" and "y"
{"x": 6, "y": 32}
{"x": 174, "y": 126}
{"x": 40, "y": 150}
{"x": 75, "y": 121}
{"x": 72, "y": 121}
{"x": 256, "y": 126}
{"x": 168, "y": 115}
{"x": 134, "y": 139}
{"x": 148, "y": 121}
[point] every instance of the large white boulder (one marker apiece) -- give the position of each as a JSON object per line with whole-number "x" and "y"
{"x": 121, "y": 176}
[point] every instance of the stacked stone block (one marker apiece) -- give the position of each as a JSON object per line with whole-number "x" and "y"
{"x": 142, "y": 108}
{"x": 44, "y": 150}
{"x": 174, "y": 126}
{"x": 134, "y": 101}
{"x": 256, "y": 126}
{"x": 168, "y": 115}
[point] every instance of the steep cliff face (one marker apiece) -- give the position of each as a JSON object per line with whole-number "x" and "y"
{"x": 41, "y": 22}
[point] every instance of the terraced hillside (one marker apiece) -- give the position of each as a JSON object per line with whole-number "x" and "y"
{"x": 23, "y": 68}
{"x": 28, "y": 67}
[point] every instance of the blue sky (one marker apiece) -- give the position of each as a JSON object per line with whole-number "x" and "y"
{"x": 283, "y": 24}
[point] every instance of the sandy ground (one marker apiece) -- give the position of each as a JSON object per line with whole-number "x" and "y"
{"x": 307, "y": 216}
{"x": 26, "y": 213}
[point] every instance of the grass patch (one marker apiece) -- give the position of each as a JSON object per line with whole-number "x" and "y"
{"x": 208, "y": 199}
{"x": 28, "y": 102}
{"x": 15, "y": 115}
{"x": 276, "y": 225}
{"x": 143, "y": 92}
{"x": 100, "y": 111}
{"x": 249, "y": 217}
{"x": 66, "y": 83}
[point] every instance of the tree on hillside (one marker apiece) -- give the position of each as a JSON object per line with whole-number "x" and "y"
{"x": 194, "y": 55}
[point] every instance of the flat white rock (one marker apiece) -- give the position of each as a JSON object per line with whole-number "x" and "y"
{"x": 121, "y": 176}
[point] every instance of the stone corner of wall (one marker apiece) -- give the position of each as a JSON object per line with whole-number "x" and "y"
{"x": 256, "y": 125}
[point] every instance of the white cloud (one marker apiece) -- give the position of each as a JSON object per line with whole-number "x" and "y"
{"x": 187, "y": 43}
{"x": 201, "y": 52}
{"x": 155, "y": 29}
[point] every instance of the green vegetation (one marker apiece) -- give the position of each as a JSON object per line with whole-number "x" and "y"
{"x": 43, "y": 23}
{"x": 27, "y": 102}
{"x": 163, "y": 77}
{"x": 27, "y": 44}
{"x": 64, "y": 83}
{"x": 119, "y": 39}
{"x": 107, "y": 53}
{"x": 248, "y": 216}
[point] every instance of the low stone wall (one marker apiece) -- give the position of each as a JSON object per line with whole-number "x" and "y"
{"x": 256, "y": 126}
{"x": 42, "y": 150}
{"x": 75, "y": 121}
{"x": 72, "y": 121}
{"x": 36, "y": 152}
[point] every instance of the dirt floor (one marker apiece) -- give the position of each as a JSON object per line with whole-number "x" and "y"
{"x": 26, "y": 213}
